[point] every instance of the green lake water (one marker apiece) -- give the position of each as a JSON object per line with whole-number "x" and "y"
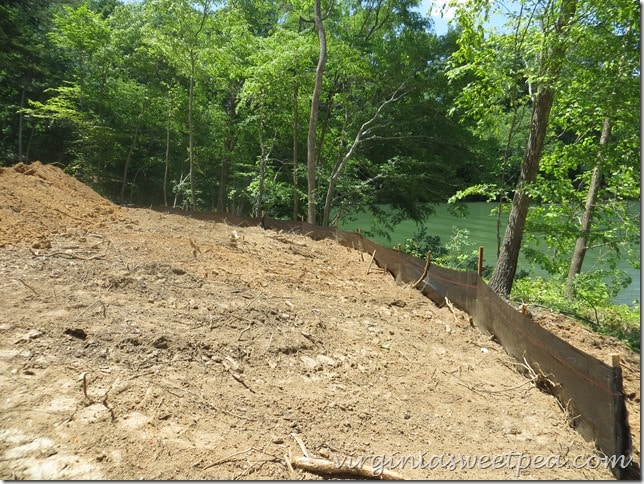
{"x": 482, "y": 232}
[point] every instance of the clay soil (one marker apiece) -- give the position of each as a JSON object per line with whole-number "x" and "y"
{"x": 136, "y": 344}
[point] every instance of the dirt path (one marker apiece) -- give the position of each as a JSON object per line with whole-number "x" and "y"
{"x": 135, "y": 344}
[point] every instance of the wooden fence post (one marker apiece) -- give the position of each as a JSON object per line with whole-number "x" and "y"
{"x": 480, "y": 266}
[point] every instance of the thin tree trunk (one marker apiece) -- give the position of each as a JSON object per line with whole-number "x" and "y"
{"x": 296, "y": 123}
{"x": 167, "y": 159}
{"x": 223, "y": 183}
{"x": 193, "y": 200}
{"x": 587, "y": 218}
{"x": 259, "y": 204}
{"x": 31, "y": 137}
{"x": 193, "y": 63}
{"x": 229, "y": 145}
{"x": 315, "y": 109}
{"x": 552, "y": 60}
{"x": 130, "y": 152}
{"x": 366, "y": 127}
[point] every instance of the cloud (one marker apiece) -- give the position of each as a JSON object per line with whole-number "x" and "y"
{"x": 442, "y": 8}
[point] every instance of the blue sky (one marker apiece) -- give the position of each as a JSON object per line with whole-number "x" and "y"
{"x": 434, "y": 7}
{"x": 440, "y": 24}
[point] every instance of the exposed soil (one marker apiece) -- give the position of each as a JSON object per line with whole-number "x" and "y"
{"x": 136, "y": 344}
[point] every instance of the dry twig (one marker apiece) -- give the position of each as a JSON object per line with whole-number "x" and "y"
{"x": 300, "y": 443}
{"x": 84, "y": 377}
{"x": 28, "y": 286}
{"x": 328, "y": 467}
{"x": 237, "y": 377}
{"x": 227, "y": 458}
{"x": 428, "y": 261}
{"x": 451, "y": 308}
{"x": 371, "y": 261}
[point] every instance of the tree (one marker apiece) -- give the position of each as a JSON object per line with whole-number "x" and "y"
{"x": 591, "y": 169}
{"x": 581, "y": 243}
{"x": 553, "y": 38}
{"x": 311, "y": 152}
{"x": 553, "y": 54}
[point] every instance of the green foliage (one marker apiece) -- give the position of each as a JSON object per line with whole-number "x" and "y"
{"x": 421, "y": 243}
{"x": 458, "y": 253}
{"x": 593, "y": 306}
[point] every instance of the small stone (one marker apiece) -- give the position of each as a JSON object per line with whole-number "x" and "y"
{"x": 326, "y": 360}
{"x": 160, "y": 343}
{"x": 34, "y": 333}
{"x": 309, "y": 362}
{"x": 76, "y": 333}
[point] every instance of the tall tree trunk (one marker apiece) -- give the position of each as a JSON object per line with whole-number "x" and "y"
{"x": 259, "y": 204}
{"x": 223, "y": 181}
{"x": 193, "y": 199}
{"x": 296, "y": 123}
{"x": 193, "y": 69}
{"x": 315, "y": 109}
{"x": 587, "y": 218}
{"x": 130, "y": 152}
{"x": 506, "y": 266}
{"x": 229, "y": 146}
{"x": 167, "y": 159}
{"x": 552, "y": 60}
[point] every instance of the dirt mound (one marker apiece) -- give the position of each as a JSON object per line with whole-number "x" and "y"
{"x": 136, "y": 344}
{"x": 37, "y": 200}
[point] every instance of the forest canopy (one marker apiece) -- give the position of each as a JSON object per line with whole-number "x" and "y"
{"x": 206, "y": 104}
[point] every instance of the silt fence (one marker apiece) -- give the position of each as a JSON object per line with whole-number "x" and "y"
{"x": 588, "y": 389}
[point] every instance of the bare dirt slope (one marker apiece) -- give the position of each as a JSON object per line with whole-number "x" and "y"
{"x": 136, "y": 344}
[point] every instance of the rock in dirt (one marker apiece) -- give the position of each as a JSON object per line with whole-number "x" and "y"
{"x": 310, "y": 363}
{"x": 161, "y": 343}
{"x": 76, "y": 333}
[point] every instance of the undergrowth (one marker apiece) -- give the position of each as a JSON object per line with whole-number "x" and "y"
{"x": 598, "y": 313}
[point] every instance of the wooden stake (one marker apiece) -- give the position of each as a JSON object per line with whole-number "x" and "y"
{"x": 615, "y": 360}
{"x": 480, "y": 266}
{"x": 371, "y": 261}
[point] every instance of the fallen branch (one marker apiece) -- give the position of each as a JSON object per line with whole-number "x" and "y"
{"x": 88, "y": 307}
{"x": 300, "y": 443}
{"x": 328, "y": 467}
{"x": 68, "y": 255}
